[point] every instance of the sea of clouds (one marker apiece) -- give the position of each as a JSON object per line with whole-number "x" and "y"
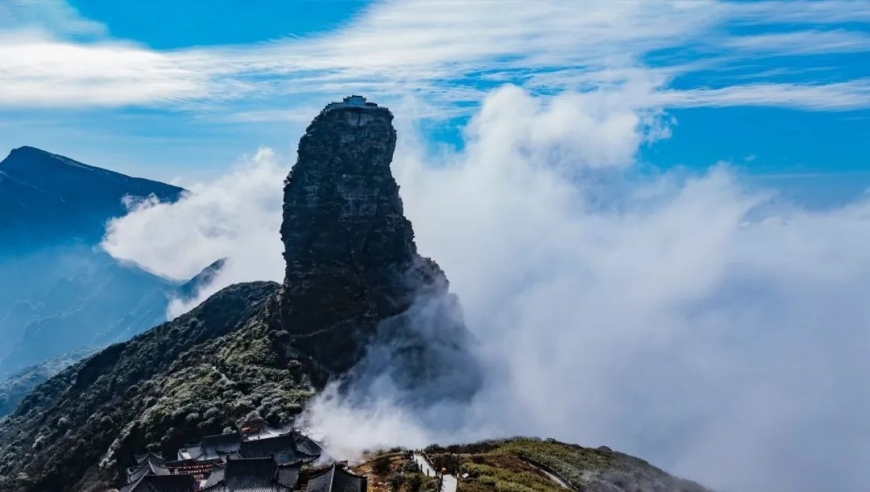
{"x": 694, "y": 319}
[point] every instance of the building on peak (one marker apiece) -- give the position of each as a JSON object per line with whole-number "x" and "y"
{"x": 353, "y": 273}
{"x": 353, "y": 101}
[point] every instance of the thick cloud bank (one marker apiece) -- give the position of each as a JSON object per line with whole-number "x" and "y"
{"x": 237, "y": 217}
{"x": 691, "y": 319}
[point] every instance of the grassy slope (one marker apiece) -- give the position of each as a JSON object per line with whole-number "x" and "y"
{"x": 506, "y": 466}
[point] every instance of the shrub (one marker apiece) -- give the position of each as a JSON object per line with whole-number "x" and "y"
{"x": 414, "y": 482}
{"x": 381, "y": 466}
{"x": 396, "y": 481}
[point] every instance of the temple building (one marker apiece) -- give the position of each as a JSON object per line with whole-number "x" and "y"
{"x": 243, "y": 475}
{"x": 212, "y": 447}
{"x": 336, "y": 479}
{"x": 256, "y": 459}
{"x": 146, "y": 464}
{"x": 152, "y": 465}
{"x": 162, "y": 483}
{"x": 351, "y": 102}
{"x": 252, "y": 475}
{"x": 287, "y": 448}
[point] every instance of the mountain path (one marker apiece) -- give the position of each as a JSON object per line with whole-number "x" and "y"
{"x": 449, "y": 483}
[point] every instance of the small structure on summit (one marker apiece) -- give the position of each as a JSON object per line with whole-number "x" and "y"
{"x": 353, "y": 101}
{"x": 353, "y": 272}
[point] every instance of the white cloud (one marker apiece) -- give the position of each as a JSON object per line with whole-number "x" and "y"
{"x": 803, "y": 42}
{"x": 448, "y": 50}
{"x": 834, "y": 96}
{"x": 692, "y": 320}
{"x": 39, "y": 71}
{"x": 237, "y": 217}
{"x": 658, "y": 315}
{"x": 55, "y": 16}
{"x": 799, "y": 11}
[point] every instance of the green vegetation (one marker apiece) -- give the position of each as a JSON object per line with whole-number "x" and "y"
{"x": 395, "y": 471}
{"x": 209, "y": 370}
{"x": 17, "y": 386}
{"x": 517, "y": 465}
{"x": 503, "y": 473}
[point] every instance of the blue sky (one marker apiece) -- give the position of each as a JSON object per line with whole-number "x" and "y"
{"x": 171, "y": 89}
{"x": 715, "y": 331}
{"x": 168, "y": 24}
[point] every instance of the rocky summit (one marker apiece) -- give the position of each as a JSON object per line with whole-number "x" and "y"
{"x": 353, "y": 271}
{"x": 350, "y": 253}
{"x": 357, "y": 303}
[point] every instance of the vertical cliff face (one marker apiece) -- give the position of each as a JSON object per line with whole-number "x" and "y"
{"x": 352, "y": 264}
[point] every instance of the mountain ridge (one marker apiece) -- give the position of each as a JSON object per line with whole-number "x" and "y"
{"x": 358, "y": 305}
{"x": 59, "y": 285}
{"x": 253, "y": 350}
{"x": 62, "y": 183}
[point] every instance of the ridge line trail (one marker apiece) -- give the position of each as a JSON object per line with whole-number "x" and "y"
{"x": 449, "y": 483}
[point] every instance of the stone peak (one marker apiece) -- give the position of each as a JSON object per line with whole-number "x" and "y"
{"x": 350, "y": 252}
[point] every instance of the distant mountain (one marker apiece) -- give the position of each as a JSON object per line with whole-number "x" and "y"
{"x": 358, "y": 305}
{"x": 19, "y": 385}
{"x": 191, "y": 288}
{"x": 58, "y": 290}
{"x": 47, "y": 198}
{"x": 354, "y": 282}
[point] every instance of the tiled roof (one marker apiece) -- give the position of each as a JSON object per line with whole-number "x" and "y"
{"x": 248, "y": 475}
{"x": 282, "y": 448}
{"x": 222, "y": 444}
{"x": 305, "y": 445}
{"x": 145, "y": 468}
{"x": 164, "y": 483}
{"x": 217, "y": 475}
{"x": 191, "y": 452}
{"x": 289, "y": 448}
{"x": 336, "y": 479}
{"x": 288, "y": 476}
{"x": 149, "y": 456}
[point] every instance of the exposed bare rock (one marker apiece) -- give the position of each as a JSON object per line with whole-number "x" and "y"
{"x": 353, "y": 271}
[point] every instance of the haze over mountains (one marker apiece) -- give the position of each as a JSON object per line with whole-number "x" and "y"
{"x": 47, "y": 199}
{"x": 359, "y": 306}
{"x": 621, "y": 300}
{"x": 61, "y": 292}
